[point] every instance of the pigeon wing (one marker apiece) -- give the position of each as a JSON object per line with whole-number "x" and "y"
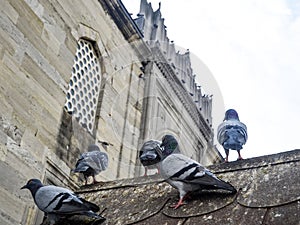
{"x": 179, "y": 168}
{"x": 225, "y": 128}
{"x": 96, "y": 160}
{"x": 90, "y": 205}
{"x": 99, "y": 161}
{"x": 203, "y": 178}
{"x": 81, "y": 164}
{"x": 58, "y": 200}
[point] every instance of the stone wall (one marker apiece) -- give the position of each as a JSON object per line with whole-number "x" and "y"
{"x": 40, "y": 136}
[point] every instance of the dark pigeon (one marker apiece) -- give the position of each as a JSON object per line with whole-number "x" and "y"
{"x": 153, "y": 152}
{"x": 169, "y": 145}
{"x": 150, "y": 155}
{"x": 91, "y": 163}
{"x": 58, "y": 202}
{"x": 187, "y": 175}
{"x": 231, "y": 133}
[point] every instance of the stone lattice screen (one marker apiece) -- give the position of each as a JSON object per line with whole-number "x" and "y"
{"x": 84, "y": 86}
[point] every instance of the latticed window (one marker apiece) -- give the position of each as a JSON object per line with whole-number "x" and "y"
{"x": 84, "y": 86}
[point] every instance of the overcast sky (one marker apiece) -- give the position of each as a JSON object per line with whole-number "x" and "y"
{"x": 252, "y": 49}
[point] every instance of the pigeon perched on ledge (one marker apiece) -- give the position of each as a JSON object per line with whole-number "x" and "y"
{"x": 150, "y": 155}
{"x": 232, "y": 134}
{"x": 153, "y": 152}
{"x": 187, "y": 176}
{"x": 58, "y": 202}
{"x": 91, "y": 163}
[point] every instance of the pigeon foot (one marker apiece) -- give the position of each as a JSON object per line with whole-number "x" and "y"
{"x": 180, "y": 203}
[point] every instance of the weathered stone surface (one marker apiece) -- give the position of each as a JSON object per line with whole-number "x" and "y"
{"x": 258, "y": 200}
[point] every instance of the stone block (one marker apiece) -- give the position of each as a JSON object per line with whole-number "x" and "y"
{"x": 10, "y": 11}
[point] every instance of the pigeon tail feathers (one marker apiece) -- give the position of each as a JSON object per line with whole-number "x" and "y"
{"x": 210, "y": 181}
{"x": 90, "y": 205}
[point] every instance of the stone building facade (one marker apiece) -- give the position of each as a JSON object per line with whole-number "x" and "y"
{"x": 74, "y": 73}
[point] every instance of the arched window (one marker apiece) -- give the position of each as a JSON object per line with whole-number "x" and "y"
{"x": 84, "y": 86}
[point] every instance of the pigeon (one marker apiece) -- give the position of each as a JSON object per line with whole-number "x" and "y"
{"x": 58, "y": 202}
{"x": 187, "y": 175}
{"x": 91, "y": 163}
{"x": 150, "y": 155}
{"x": 153, "y": 152}
{"x": 231, "y": 133}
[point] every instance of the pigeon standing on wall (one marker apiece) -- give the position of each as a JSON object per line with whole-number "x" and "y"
{"x": 58, "y": 202}
{"x": 153, "y": 152}
{"x": 150, "y": 155}
{"x": 231, "y": 133}
{"x": 91, "y": 163}
{"x": 187, "y": 175}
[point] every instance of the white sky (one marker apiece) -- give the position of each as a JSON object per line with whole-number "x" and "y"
{"x": 252, "y": 49}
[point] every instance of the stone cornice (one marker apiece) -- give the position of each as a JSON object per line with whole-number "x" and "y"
{"x": 127, "y": 26}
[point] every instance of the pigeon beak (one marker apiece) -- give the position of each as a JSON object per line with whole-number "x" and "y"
{"x": 25, "y": 186}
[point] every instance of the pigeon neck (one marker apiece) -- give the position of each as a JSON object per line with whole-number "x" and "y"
{"x": 169, "y": 149}
{"x": 35, "y": 188}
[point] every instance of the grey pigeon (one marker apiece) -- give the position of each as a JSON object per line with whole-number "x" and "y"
{"x": 150, "y": 155}
{"x": 231, "y": 133}
{"x": 153, "y": 152}
{"x": 91, "y": 163}
{"x": 58, "y": 202}
{"x": 188, "y": 176}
